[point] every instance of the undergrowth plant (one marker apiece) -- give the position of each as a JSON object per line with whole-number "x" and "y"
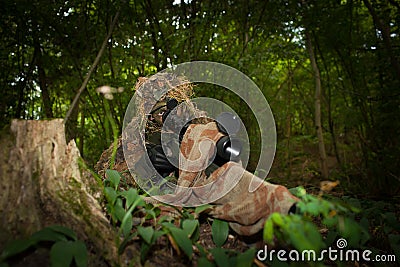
{"x": 302, "y": 231}
{"x": 65, "y": 248}
{"x": 126, "y": 206}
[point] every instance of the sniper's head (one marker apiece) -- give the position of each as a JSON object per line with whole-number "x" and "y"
{"x": 154, "y": 95}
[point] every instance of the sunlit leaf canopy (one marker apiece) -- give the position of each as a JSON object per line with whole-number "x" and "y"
{"x": 48, "y": 47}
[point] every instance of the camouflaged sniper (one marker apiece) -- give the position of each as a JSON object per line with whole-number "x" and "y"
{"x": 245, "y": 211}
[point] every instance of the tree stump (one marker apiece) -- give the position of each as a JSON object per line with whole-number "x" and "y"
{"x": 42, "y": 184}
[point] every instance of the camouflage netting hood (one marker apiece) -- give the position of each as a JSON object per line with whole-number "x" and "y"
{"x": 153, "y": 92}
{"x": 150, "y": 93}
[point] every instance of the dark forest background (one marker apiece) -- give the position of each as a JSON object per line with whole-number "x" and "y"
{"x": 49, "y": 47}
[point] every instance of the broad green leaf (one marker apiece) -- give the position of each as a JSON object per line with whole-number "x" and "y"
{"x": 110, "y": 194}
{"x": 150, "y": 214}
{"x": 164, "y": 219}
{"x": 80, "y": 253}
{"x": 203, "y": 252}
{"x": 220, "y": 257}
{"x": 300, "y": 241}
{"x": 268, "y": 233}
{"x": 47, "y": 234}
{"x": 304, "y": 235}
{"x": 168, "y": 225}
{"x": 144, "y": 249}
{"x": 189, "y": 226}
{"x": 350, "y": 230}
{"x": 15, "y": 247}
{"x": 298, "y": 191}
{"x": 130, "y": 196}
{"x": 220, "y": 231}
{"x": 204, "y": 262}
{"x": 61, "y": 254}
{"x": 330, "y": 221}
{"x": 202, "y": 208}
{"x": 245, "y": 259}
{"x": 64, "y": 230}
{"x": 277, "y": 219}
{"x": 157, "y": 234}
{"x": 126, "y": 225}
{"x": 114, "y": 177}
{"x": 182, "y": 240}
{"x": 146, "y": 233}
{"x": 312, "y": 208}
{"x": 119, "y": 211}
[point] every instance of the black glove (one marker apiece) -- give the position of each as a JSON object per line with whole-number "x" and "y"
{"x": 159, "y": 160}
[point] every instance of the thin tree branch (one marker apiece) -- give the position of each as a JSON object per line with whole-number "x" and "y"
{"x": 95, "y": 63}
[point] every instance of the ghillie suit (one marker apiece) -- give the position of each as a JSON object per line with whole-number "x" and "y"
{"x": 245, "y": 211}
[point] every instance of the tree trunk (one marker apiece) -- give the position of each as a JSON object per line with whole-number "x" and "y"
{"x": 47, "y": 104}
{"x": 289, "y": 119}
{"x": 43, "y": 184}
{"x": 318, "y": 124}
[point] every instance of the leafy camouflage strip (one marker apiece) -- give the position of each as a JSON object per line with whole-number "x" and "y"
{"x": 245, "y": 211}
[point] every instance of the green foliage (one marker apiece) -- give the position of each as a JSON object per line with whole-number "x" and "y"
{"x": 181, "y": 238}
{"x": 146, "y": 233}
{"x": 301, "y": 232}
{"x": 220, "y": 231}
{"x": 123, "y": 205}
{"x": 293, "y": 229}
{"x": 62, "y": 253}
{"x": 113, "y": 177}
{"x": 381, "y": 218}
{"x": 221, "y": 258}
{"x": 66, "y": 249}
{"x": 226, "y": 258}
{"x": 202, "y": 208}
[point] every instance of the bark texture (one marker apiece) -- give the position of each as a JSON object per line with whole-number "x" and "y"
{"x": 42, "y": 184}
{"x": 317, "y": 101}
